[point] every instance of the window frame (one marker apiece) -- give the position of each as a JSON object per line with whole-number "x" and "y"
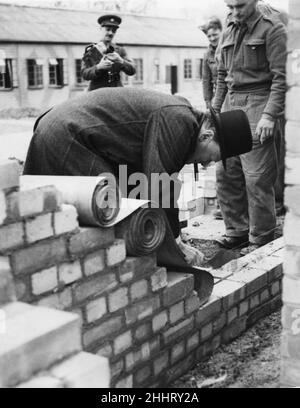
{"x": 57, "y": 71}
{"x": 188, "y": 69}
{"x": 138, "y": 78}
{"x": 38, "y": 74}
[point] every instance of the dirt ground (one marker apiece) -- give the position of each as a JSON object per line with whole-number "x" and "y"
{"x": 251, "y": 361}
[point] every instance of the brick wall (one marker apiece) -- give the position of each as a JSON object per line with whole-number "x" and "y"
{"x": 146, "y": 321}
{"x": 290, "y": 373}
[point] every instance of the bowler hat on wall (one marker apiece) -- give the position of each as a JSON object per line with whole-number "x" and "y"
{"x": 110, "y": 20}
{"x": 233, "y": 133}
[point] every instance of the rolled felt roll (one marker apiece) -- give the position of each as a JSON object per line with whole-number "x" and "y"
{"x": 143, "y": 231}
{"x": 97, "y": 199}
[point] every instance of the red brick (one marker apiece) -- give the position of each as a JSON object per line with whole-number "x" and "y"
{"x": 142, "y": 375}
{"x": 116, "y": 253}
{"x": 206, "y": 332}
{"x": 135, "y": 268}
{"x": 139, "y": 290}
{"x": 141, "y": 310}
{"x": 176, "y": 312}
{"x": 52, "y": 198}
{"x": 142, "y": 354}
{"x": 209, "y": 311}
{"x": 177, "y": 352}
{"x": 230, "y": 292}
{"x": 69, "y": 272}
{"x": 122, "y": 342}
{"x": 161, "y": 363}
{"x": 7, "y": 290}
{"x": 180, "y": 286}
{"x": 232, "y": 315}
{"x": 9, "y": 174}
{"x": 102, "y": 332}
{"x": 96, "y": 309}
{"x": 28, "y": 202}
{"x": 264, "y": 296}
{"x": 254, "y": 278}
{"x": 11, "y": 236}
{"x": 118, "y": 300}
{"x": 175, "y": 332}
{"x": 96, "y": 286}
{"x": 94, "y": 263}
{"x": 143, "y": 332}
{"x": 44, "y": 281}
{"x": 159, "y": 321}
{"x": 219, "y": 323}
{"x": 275, "y": 288}
{"x": 39, "y": 256}
{"x": 90, "y": 239}
{"x": 243, "y": 308}
{"x": 65, "y": 220}
{"x": 116, "y": 368}
{"x": 159, "y": 279}
{"x": 22, "y": 288}
{"x": 234, "y": 330}
{"x": 192, "y": 304}
{"x": 180, "y": 368}
{"x": 192, "y": 342}
{"x": 126, "y": 382}
{"x": 105, "y": 351}
{"x": 39, "y": 228}
{"x": 60, "y": 301}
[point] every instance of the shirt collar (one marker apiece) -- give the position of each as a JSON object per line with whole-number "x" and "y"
{"x": 250, "y": 22}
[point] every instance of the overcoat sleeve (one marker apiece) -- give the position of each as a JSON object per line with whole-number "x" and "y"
{"x": 170, "y": 137}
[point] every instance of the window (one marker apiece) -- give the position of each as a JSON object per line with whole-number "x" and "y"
{"x": 57, "y": 72}
{"x": 139, "y": 76}
{"x": 188, "y": 72}
{"x": 168, "y": 74}
{"x": 35, "y": 73}
{"x": 8, "y": 73}
{"x": 199, "y": 68}
{"x": 156, "y": 71}
{"x": 78, "y": 77}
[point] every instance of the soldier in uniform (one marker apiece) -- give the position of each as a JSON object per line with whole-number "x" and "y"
{"x": 103, "y": 62}
{"x": 210, "y": 69}
{"x": 251, "y": 77}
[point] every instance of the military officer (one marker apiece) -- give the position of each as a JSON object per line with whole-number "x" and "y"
{"x": 251, "y": 76}
{"x": 103, "y": 62}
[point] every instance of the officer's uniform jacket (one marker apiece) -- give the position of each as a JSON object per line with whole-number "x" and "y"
{"x": 209, "y": 74}
{"x": 102, "y": 78}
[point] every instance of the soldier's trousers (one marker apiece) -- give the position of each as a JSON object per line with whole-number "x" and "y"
{"x": 246, "y": 191}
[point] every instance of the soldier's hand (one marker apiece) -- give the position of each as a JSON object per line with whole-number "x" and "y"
{"x": 115, "y": 57}
{"x": 105, "y": 64}
{"x": 265, "y": 130}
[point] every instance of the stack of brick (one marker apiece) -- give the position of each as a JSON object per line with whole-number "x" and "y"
{"x": 290, "y": 373}
{"x": 147, "y": 322}
{"x": 39, "y": 347}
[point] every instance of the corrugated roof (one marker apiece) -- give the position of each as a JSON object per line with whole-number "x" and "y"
{"x": 34, "y": 24}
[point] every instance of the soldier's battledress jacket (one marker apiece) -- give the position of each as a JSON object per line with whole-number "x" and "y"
{"x": 210, "y": 74}
{"x": 102, "y": 78}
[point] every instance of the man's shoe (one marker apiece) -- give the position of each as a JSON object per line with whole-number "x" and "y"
{"x": 233, "y": 242}
{"x": 249, "y": 249}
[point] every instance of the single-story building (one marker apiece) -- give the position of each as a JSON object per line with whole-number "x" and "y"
{"x": 41, "y": 51}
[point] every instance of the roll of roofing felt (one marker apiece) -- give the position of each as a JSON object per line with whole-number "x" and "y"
{"x": 143, "y": 231}
{"x": 97, "y": 199}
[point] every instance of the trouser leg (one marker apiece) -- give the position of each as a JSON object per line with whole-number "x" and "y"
{"x": 260, "y": 170}
{"x": 232, "y": 197}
